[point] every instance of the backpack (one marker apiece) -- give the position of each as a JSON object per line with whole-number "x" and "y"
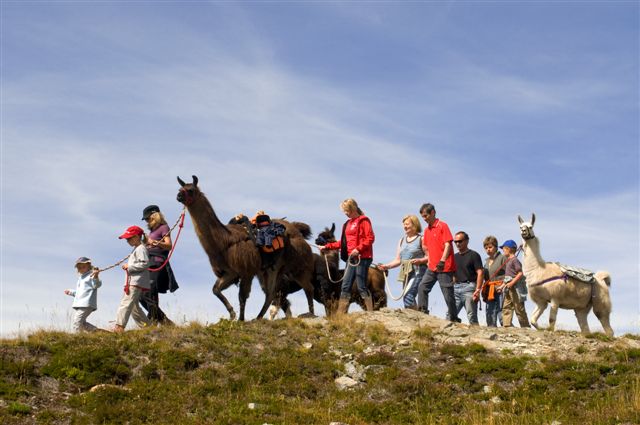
{"x": 270, "y": 235}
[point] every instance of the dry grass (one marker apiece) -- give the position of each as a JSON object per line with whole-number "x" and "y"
{"x": 284, "y": 371}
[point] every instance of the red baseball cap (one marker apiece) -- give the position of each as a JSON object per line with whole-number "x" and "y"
{"x": 131, "y": 231}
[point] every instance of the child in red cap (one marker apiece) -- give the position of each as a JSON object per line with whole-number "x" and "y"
{"x": 137, "y": 281}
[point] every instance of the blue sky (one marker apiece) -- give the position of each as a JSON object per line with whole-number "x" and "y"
{"x": 486, "y": 109}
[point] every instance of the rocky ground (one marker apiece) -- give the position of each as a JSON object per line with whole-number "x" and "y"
{"x": 532, "y": 342}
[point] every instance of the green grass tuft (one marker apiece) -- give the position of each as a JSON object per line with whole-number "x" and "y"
{"x": 285, "y": 370}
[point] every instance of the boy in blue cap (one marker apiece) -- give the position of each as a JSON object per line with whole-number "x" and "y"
{"x": 513, "y": 276}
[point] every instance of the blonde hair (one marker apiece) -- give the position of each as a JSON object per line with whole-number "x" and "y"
{"x": 350, "y": 205}
{"x": 155, "y": 219}
{"x": 415, "y": 221}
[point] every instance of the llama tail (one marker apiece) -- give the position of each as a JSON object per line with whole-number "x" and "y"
{"x": 603, "y": 276}
{"x": 303, "y": 228}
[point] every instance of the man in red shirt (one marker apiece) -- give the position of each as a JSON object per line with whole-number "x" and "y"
{"x": 440, "y": 264}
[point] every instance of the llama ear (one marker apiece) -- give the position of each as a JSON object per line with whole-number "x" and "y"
{"x": 182, "y": 183}
{"x": 333, "y": 228}
{"x": 520, "y": 220}
{"x": 195, "y": 180}
{"x": 533, "y": 218}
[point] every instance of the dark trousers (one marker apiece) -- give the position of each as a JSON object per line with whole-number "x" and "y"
{"x": 151, "y": 302}
{"x": 446, "y": 286}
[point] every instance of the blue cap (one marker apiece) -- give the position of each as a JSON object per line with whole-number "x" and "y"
{"x": 510, "y": 243}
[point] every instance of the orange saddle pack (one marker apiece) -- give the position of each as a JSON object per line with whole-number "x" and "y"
{"x": 270, "y": 235}
{"x": 277, "y": 244}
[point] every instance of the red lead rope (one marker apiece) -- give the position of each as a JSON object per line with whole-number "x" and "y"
{"x": 127, "y": 279}
{"x": 181, "y": 225}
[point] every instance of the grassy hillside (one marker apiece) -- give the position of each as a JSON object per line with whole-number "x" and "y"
{"x": 284, "y": 372}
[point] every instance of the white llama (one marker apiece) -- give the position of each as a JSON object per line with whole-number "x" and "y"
{"x": 556, "y": 284}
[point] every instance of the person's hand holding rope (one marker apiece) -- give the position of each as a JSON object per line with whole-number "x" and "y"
{"x": 95, "y": 273}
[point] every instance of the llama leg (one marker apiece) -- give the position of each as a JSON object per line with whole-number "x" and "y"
{"x": 602, "y": 306}
{"x": 286, "y": 306}
{"x": 308, "y": 291}
{"x": 243, "y": 294}
{"x": 309, "y": 294}
{"x": 328, "y": 300}
{"x": 273, "y": 311}
{"x": 537, "y": 312}
{"x": 271, "y": 279}
{"x": 329, "y": 308}
{"x": 278, "y": 303}
{"x": 304, "y": 280}
{"x": 603, "y": 315}
{"x": 581, "y": 315}
{"x": 604, "y": 319}
{"x": 221, "y": 284}
{"x": 552, "y": 316}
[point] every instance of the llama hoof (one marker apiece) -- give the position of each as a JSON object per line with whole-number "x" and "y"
{"x": 307, "y": 316}
{"x": 232, "y": 315}
{"x": 535, "y": 325}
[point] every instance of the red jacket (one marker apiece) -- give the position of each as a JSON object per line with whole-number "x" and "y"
{"x": 356, "y": 233}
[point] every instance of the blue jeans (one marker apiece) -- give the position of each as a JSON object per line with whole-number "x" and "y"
{"x": 359, "y": 273}
{"x": 494, "y": 310}
{"x": 409, "y": 299}
{"x": 463, "y": 293}
{"x": 446, "y": 286}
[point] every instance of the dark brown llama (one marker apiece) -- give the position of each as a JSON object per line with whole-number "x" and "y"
{"x": 235, "y": 258}
{"x": 327, "y": 285}
{"x": 375, "y": 280}
{"x": 323, "y": 289}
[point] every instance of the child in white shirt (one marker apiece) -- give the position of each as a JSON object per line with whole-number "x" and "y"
{"x": 138, "y": 280}
{"x": 85, "y": 296}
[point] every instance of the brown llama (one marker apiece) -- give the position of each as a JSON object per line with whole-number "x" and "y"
{"x": 375, "y": 278}
{"x": 375, "y": 285}
{"x": 328, "y": 284}
{"x": 324, "y": 291}
{"x": 234, "y": 257}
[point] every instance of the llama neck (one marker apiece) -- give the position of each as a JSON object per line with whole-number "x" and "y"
{"x": 532, "y": 258}
{"x": 211, "y": 232}
{"x": 332, "y": 258}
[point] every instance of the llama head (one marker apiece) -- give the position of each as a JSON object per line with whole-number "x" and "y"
{"x": 189, "y": 192}
{"x": 526, "y": 227}
{"x": 327, "y": 235}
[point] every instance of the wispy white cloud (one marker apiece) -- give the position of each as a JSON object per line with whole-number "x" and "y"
{"x": 84, "y": 153}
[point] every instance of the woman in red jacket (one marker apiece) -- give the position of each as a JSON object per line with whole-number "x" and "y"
{"x": 356, "y": 249}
